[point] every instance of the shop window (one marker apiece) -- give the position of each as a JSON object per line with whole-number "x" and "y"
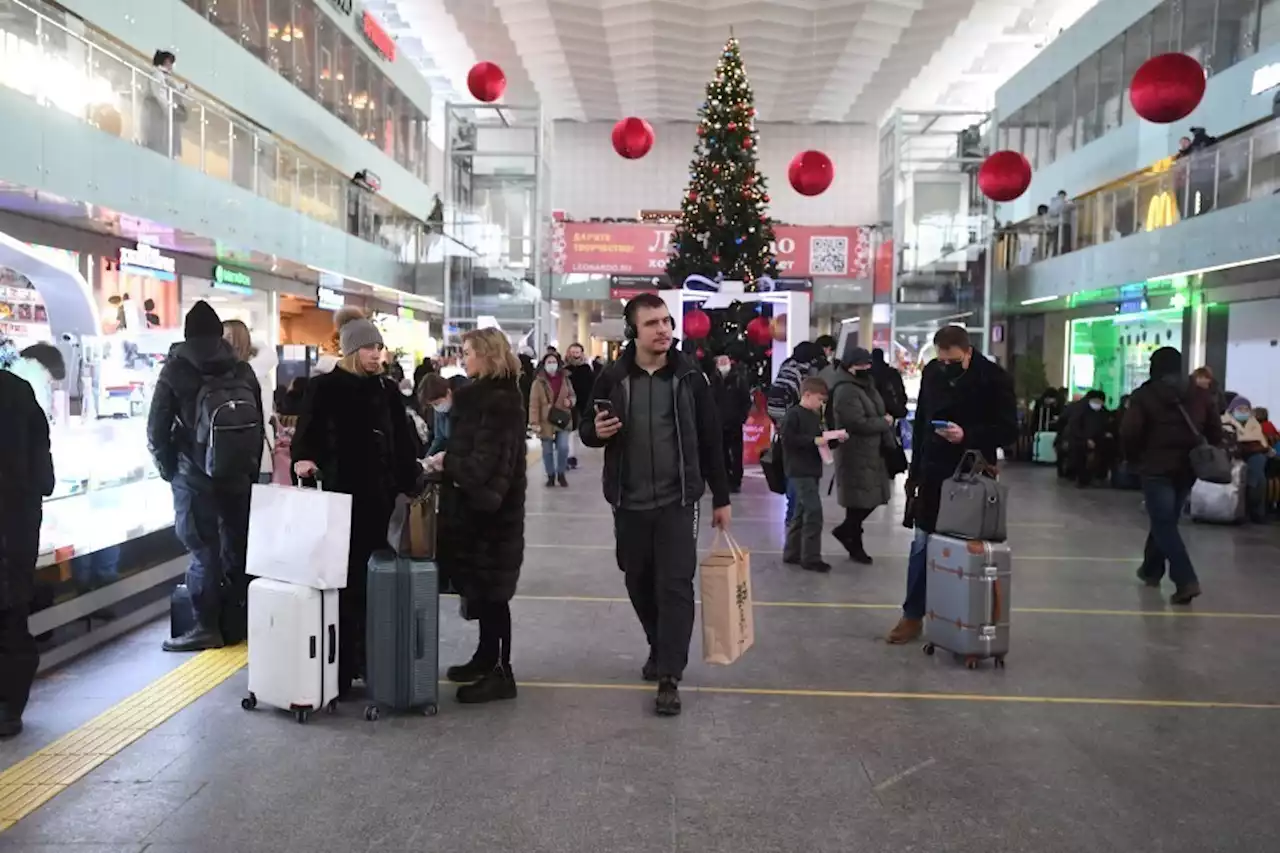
{"x": 1268, "y": 24}
{"x": 325, "y": 58}
{"x": 225, "y": 15}
{"x": 1137, "y": 50}
{"x": 1235, "y": 35}
{"x": 1064, "y": 105}
{"x": 303, "y": 71}
{"x": 1165, "y": 30}
{"x": 391, "y": 110}
{"x": 1111, "y": 83}
{"x": 1087, "y": 100}
{"x": 359, "y": 97}
{"x": 253, "y": 27}
{"x": 345, "y": 80}
{"x": 1197, "y": 31}
{"x": 280, "y": 36}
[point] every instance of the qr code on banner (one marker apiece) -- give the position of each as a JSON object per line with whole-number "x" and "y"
{"x": 828, "y": 255}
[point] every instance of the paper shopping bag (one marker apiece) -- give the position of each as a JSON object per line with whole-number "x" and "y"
{"x": 728, "y": 626}
{"x": 412, "y": 532}
{"x": 299, "y": 536}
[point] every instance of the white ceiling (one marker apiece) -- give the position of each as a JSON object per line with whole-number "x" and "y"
{"x": 808, "y": 60}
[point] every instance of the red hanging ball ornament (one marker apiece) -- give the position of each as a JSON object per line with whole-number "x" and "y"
{"x": 702, "y": 130}
{"x": 486, "y": 82}
{"x": 746, "y": 143}
{"x": 733, "y": 125}
{"x": 693, "y": 196}
{"x": 758, "y": 331}
{"x": 1004, "y": 176}
{"x": 632, "y": 138}
{"x": 766, "y": 198}
{"x": 715, "y": 170}
{"x": 700, "y": 353}
{"x": 697, "y": 324}
{"x": 715, "y": 259}
{"x": 811, "y": 173}
{"x": 1167, "y": 87}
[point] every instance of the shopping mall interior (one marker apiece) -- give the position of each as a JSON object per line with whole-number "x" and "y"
{"x": 1076, "y": 186}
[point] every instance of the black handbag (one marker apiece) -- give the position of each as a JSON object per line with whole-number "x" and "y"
{"x": 1208, "y": 463}
{"x": 771, "y": 465}
{"x": 560, "y": 418}
{"x": 895, "y": 458}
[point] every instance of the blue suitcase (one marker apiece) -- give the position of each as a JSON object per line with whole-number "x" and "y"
{"x": 1044, "y": 448}
{"x": 402, "y": 635}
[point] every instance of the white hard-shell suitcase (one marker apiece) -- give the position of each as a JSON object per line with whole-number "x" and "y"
{"x": 293, "y": 647}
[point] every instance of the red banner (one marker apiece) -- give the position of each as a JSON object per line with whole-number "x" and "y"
{"x": 636, "y": 249}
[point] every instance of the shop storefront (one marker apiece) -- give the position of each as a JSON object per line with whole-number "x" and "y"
{"x": 407, "y": 335}
{"x": 1112, "y": 353}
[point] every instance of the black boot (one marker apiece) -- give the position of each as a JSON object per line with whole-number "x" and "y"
{"x": 649, "y": 672}
{"x": 496, "y": 684}
{"x": 668, "y": 702}
{"x": 469, "y": 672}
{"x": 551, "y": 481}
{"x": 196, "y": 640}
{"x": 562, "y": 481}
{"x": 10, "y": 724}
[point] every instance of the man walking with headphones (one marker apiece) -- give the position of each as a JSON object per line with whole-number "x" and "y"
{"x": 655, "y": 416}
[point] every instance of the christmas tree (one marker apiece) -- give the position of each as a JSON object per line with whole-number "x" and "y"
{"x": 724, "y": 230}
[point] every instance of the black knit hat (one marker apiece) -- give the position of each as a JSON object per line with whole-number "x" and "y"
{"x": 1165, "y": 362}
{"x": 202, "y": 322}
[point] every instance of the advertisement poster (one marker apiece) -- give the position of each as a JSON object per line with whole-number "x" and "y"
{"x": 756, "y": 432}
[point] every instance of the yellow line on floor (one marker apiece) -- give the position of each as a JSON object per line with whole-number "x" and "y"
{"x": 1054, "y": 525}
{"x": 570, "y": 546}
{"x": 927, "y": 697}
{"x": 35, "y": 780}
{"x": 857, "y": 605}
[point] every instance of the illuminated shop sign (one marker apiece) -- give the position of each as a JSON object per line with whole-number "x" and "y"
{"x": 330, "y": 300}
{"x": 1266, "y": 78}
{"x": 378, "y": 37}
{"x": 225, "y": 278}
{"x": 145, "y": 259}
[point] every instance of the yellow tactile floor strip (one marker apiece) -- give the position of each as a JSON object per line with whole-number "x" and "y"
{"x": 35, "y": 780}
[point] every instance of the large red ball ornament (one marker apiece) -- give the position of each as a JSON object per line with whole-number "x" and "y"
{"x": 632, "y": 138}
{"x": 486, "y": 82}
{"x": 811, "y": 172}
{"x": 697, "y": 324}
{"x": 758, "y": 332}
{"x": 1004, "y": 176}
{"x": 1167, "y": 87}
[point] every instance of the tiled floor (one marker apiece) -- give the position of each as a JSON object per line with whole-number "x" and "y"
{"x": 821, "y": 739}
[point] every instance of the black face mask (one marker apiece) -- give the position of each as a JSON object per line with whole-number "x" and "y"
{"x": 952, "y": 370}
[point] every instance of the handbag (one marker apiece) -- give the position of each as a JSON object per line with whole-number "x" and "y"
{"x": 973, "y": 503}
{"x": 771, "y": 465}
{"x": 1209, "y": 463}
{"x": 895, "y": 458}
{"x": 559, "y": 418}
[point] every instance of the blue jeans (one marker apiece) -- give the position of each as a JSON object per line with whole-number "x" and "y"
{"x": 1165, "y": 498}
{"x": 555, "y": 453}
{"x": 1255, "y": 487}
{"x": 791, "y": 500}
{"x": 917, "y": 576}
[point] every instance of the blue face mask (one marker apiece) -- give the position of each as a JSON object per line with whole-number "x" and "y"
{"x": 443, "y": 408}
{"x": 1095, "y": 405}
{"x": 1242, "y": 415}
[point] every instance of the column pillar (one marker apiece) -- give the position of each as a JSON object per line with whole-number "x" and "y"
{"x": 584, "y": 326}
{"x": 866, "y": 327}
{"x": 565, "y": 327}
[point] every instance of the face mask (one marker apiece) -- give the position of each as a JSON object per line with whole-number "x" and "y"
{"x": 952, "y": 370}
{"x": 724, "y": 369}
{"x": 551, "y": 368}
{"x": 443, "y": 408}
{"x": 1242, "y": 415}
{"x": 1095, "y": 405}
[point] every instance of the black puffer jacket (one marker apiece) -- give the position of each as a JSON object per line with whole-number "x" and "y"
{"x": 1155, "y": 435}
{"x": 481, "y": 541}
{"x": 26, "y": 477}
{"x": 982, "y": 403}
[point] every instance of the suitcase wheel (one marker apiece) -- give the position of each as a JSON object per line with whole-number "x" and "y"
{"x": 249, "y": 702}
{"x": 371, "y": 713}
{"x": 999, "y": 662}
{"x": 971, "y": 662}
{"x": 930, "y": 648}
{"x": 331, "y": 707}
{"x": 301, "y": 716}
{"x": 431, "y": 710}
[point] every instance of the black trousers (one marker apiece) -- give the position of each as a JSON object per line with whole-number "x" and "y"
{"x": 733, "y": 455}
{"x": 19, "y": 545}
{"x": 212, "y": 522}
{"x": 658, "y": 552}
{"x": 495, "y": 631}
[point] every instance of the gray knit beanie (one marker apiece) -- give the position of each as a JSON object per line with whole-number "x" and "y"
{"x": 355, "y": 331}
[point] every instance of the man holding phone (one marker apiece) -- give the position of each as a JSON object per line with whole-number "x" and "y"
{"x": 655, "y": 417}
{"x": 966, "y": 403}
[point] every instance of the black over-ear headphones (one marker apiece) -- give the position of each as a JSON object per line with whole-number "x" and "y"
{"x": 629, "y": 330}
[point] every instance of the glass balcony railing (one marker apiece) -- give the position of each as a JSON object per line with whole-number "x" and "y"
{"x": 1232, "y": 171}
{"x": 128, "y": 99}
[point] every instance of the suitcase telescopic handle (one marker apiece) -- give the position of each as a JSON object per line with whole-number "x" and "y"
{"x": 333, "y": 643}
{"x": 419, "y": 634}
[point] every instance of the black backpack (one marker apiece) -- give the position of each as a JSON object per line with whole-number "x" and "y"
{"x": 229, "y": 426}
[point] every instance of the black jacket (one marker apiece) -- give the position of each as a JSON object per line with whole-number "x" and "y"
{"x": 583, "y": 378}
{"x": 733, "y": 398}
{"x": 26, "y": 478}
{"x": 697, "y": 422}
{"x": 800, "y": 455}
{"x": 892, "y": 390}
{"x": 1155, "y": 436}
{"x": 982, "y": 403}
{"x": 1088, "y": 425}
{"x": 481, "y": 542}
{"x": 171, "y": 422}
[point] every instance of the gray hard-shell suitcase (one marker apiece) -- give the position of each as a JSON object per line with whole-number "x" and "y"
{"x": 402, "y": 634}
{"x": 968, "y": 598}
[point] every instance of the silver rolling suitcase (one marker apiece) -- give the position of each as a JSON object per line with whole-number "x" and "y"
{"x": 402, "y": 635}
{"x": 968, "y": 599}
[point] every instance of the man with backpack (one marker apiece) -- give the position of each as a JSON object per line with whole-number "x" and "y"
{"x": 889, "y": 383}
{"x": 206, "y": 435}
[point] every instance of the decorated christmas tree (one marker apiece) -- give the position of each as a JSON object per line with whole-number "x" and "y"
{"x": 724, "y": 231}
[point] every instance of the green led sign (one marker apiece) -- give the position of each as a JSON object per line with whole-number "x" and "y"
{"x": 229, "y": 279}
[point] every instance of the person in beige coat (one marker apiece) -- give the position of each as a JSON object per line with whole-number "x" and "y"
{"x": 551, "y": 403}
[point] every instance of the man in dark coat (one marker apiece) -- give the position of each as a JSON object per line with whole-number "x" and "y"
{"x": 26, "y": 478}
{"x": 1090, "y": 439}
{"x": 889, "y": 383}
{"x": 733, "y": 401}
{"x": 662, "y": 439}
{"x": 582, "y": 378}
{"x": 1165, "y": 420}
{"x": 974, "y": 397}
{"x": 211, "y": 517}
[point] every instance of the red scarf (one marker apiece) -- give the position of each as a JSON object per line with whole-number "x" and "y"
{"x": 555, "y": 381}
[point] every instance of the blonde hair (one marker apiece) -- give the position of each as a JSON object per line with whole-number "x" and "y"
{"x": 352, "y": 364}
{"x": 491, "y": 346}
{"x": 237, "y": 334}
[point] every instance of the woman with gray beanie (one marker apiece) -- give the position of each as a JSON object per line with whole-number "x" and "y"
{"x": 352, "y": 433}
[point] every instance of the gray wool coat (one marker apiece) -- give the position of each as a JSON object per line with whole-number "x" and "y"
{"x": 862, "y": 481}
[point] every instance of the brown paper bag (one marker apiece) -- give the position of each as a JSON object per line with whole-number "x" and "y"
{"x": 412, "y": 532}
{"x": 728, "y": 625}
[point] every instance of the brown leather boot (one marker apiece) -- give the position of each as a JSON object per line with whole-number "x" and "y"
{"x": 905, "y": 631}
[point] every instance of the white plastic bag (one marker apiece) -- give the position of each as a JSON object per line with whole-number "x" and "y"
{"x": 299, "y": 536}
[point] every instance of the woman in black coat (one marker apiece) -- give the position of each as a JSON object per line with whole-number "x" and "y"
{"x": 353, "y": 434}
{"x": 481, "y": 544}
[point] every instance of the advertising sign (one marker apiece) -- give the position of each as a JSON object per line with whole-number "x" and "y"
{"x": 145, "y": 259}
{"x": 803, "y": 251}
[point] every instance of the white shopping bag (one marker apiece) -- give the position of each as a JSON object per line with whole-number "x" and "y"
{"x": 300, "y": 536}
